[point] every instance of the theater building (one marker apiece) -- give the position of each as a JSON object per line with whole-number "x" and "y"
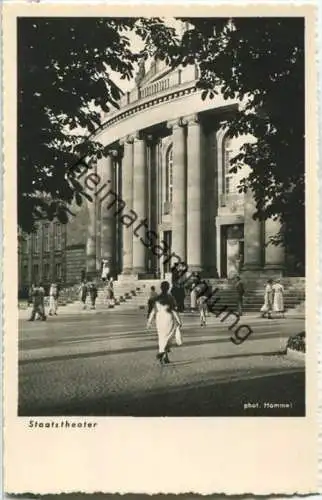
{"x": 169, "y": 164}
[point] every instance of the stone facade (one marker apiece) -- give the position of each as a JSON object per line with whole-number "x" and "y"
{"x": 169, "y": 167}
{"x": 166, "y": 184}
{"x": 55, "y": 252}
{"x": 42, "y": 255}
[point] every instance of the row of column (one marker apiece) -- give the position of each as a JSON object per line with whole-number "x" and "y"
{"x": 186, "y": 202}
{"x": 134, "y": 198}
{"x": 186, "y": 207}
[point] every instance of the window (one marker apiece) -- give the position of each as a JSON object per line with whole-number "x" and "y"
{"x": 46, "y": 238}
{"x": 22, "y": 242}
{"x": 169, "y": 175}
{"x": 227, "y": 175}
{"x": 35, "y": 242}
{"x": 26, "y": 244}
{"x": 58, "y": 237}
{"x": 25, "y": 273}
{"x": 58, "y": 270}
{"x": 35, "y": 273}
{"x": 46, "y": 271}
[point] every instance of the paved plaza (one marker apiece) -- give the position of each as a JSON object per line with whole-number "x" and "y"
{"x": 103, "y": 363}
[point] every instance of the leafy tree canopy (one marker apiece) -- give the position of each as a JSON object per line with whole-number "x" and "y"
{"x": 65, "y": 84}
{"x": 261, "y": 62}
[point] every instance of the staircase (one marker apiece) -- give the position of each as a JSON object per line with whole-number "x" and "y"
{"x": 254, "y": 294}
{"x": 130, "y": 294}
{"x": 133, "y": 294}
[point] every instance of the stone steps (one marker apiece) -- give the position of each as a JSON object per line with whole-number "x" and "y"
{"x": 251, "y": 303}
{"x": 134, "y": 294}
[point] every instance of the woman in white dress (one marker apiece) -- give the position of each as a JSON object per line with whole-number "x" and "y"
{"x": 105, "y": 270}
{"x": 110, "y": 292}
{"x": 167, "y": 320}
{"x": 278, "y": 302}
{"x": 268, "y": 300}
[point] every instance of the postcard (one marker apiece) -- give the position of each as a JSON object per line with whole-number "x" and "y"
{"x": 160, "y": 249}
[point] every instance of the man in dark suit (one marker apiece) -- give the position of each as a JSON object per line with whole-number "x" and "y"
{"x": 240, "y": 295}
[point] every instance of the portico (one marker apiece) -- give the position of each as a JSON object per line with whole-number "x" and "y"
{"x": 175, "y": 193}
{"x": 173, "y": 199}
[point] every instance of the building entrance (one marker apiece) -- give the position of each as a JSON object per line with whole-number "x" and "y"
{"x": 232, "y": 249}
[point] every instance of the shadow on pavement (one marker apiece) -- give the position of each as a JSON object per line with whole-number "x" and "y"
{"x": 128, "y": 350}
{"x": 285, "y": 391}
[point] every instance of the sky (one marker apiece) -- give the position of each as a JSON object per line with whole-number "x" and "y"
{"x": 126, "y": 85}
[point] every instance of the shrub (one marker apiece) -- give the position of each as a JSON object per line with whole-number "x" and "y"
{"x": 297, "y": 342}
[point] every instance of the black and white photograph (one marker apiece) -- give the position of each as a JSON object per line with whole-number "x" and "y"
{"x": 161, "y": 201}
{"x": 160, "y": 249}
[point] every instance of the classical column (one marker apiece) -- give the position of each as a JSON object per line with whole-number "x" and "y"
{"x": 127, "y": 197}
{"x": 30, "y": 263}
{"x": 107, "y": 212}
{"x": 118, "y": 225}
{"x": 194, "y": 229}
{"x": 274, "y": 254}
{"x": 40, "y": 231}
{"x": 179, "y": 189}
{"x": 91, "y": 240}
{"x": 139, "y": 204}
{"x": 218, "y": 253}
{"x": 52, "y": 251}
{"x": 252, "y": 236}
{"x": 98, "y": 235}
{"x": 220, "y": 159}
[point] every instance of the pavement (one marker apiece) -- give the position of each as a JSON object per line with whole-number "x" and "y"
{"x": 102, "y": 363}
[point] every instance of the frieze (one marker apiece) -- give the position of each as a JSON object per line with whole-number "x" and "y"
{"x": 151, "y": 103}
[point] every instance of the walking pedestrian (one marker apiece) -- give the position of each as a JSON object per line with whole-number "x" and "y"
{"x": 203, "y": 308}
{"x": 268, "y": 300}
{"x": 167, "y": 321}
{"x": 110, "y": 292}
{"x": 93, "y": 294}
{"x": 278, "y": 301}
{"x": 105, "y": 270}
{"x": 30, "y": 294}
{"x": 181, "y": 297}
{"x": 83, "y": 275}
{"x": 38, "y": 303}
{"x": 151, "y": 300}
{"x": 174, "y": 273}
{"x": 53, "y": 299}
{"x": 178, "y": 292}
{"x": 240, "y": 289}
{"x": 83, "y": 292}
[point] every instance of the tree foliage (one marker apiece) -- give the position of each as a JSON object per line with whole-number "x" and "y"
{"x": 65, "y": 85}
{"x": 260, "y": 61}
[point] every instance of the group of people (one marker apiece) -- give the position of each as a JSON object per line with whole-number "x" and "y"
{"x": 88, "y": 289}
{"x": 183, "y": 283}
{"x": 164, "y": 309}
{"x": 273, "y": 299}
{"x": 37, "y": 296}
